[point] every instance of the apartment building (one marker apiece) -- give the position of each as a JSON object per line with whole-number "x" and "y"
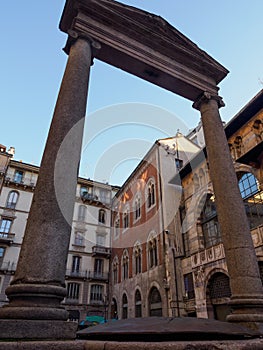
{"x": 87, "y": 274}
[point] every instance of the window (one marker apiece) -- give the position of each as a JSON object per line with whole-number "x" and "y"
{"x": 100, "y": 240}
{"x": 2, "y": 253}
{"x": 138, "y": 304}
{"x": 126, "y": 218}
{"x": 138, "y": 259}
{"x": 75, "y": 264}
{"x": 124, "y": 306}
{"x": 12, "y": 200}
{"x": 137, "y": 208}
{"x": 189, "y": 286}
{"x": 252, "y": 197}
{"x": 117, "y": 227}
{"x": 209, "y": 223}
{"x": 73, "y": 291}
{"x": 98, "y": 267}
{"x": 82, "y": 213}
{"x": 96, "y": 293}
{"x": 18, "y": 176}
{"x": 125, "y": 265}
{"x": 79, "y": 239}
{"x": 150, "y": 194}
{"x": 102, "y": 216}
{"x": 5, "y": 226}
{"x": 152, "y": 249}
{"x": 115, "y": 270}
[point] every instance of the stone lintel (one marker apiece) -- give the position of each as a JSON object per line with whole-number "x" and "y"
{"x": 144, "y": 45}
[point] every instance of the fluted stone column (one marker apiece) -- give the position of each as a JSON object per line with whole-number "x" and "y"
{"x": 246, "y": 286}
{"x": 38, "y": 286}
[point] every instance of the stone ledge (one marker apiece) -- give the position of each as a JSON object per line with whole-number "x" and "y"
{"x": 250, "y": 344}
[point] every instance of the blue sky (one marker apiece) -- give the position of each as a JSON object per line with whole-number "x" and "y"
{"x": 32, "y": 65}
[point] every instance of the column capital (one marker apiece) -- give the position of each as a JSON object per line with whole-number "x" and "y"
{"x": 205, "y": 97}
{"x": 73, "y": 36}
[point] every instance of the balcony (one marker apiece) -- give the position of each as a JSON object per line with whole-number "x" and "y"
{"x": 25, "y": 182}
{"x": 101, "y": 251}
{"x": 6, "y": 238}
{"x": 87, "y": 274}
{"x": 8, "y": 267}
{"x": 208, "y": 255}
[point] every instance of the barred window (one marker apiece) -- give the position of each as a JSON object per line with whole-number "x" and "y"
{"x": 73, "y": 291}
{"x": 96, "y": 293}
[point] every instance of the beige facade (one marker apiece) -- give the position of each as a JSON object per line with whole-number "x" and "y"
{"x": 87, "y": 274}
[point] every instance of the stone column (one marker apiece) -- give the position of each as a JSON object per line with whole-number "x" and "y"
{"x": 38, "y": 286}
{"x": 246, "y": 286}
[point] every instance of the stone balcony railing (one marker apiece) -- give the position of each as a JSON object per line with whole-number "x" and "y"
{"x": 208, "y": 255}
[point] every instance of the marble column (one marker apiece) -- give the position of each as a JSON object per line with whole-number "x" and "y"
{"x": 246, "y": 286}
{"x": 38, "y": 287}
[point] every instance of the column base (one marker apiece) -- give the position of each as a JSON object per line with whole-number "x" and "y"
{"x": 247, "y": 312}
{"x": 37, "y": 330}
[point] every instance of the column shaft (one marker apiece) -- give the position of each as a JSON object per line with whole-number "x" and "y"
{"x": 245, "y": 282}
{"x": 38, "y": 286}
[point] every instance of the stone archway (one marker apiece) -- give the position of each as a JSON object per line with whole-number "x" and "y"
{"x": 218, "y": 295}
{"x": 155, "y": 303}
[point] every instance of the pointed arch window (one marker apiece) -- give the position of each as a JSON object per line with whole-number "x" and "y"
{"x": 137, "y": 260}
{"x": 152, "y": 250}
{"x": 150, "y": 194}
{"x": 137, "y": 208}
{"x": 115, "y": 270}
{"x": 125, "y": 265}
{"x": 126, "y": 220}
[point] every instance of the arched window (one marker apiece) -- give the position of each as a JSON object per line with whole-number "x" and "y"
{"x": 125, "y": 265}
{"x": 150, "y": 193}
{"x": 196, "y": 182}
{"x": 115, "y": 270}
{"x": 102, "y": 216}
{"x": 114, "y": 309}
{"x": 126, "y": 220}
{"x": 137, "y": 259}
{"x": 137, "y": 207}
{"x": 12, "y": 200}
{"x": 252, "y": 197}
{"x": 117, "y": 226}
{"x": 152, "y": 251}
{"x": 82, "y": 213}
{"x": 124, "y": 306}
{"x": 209, "y": 222}
{"x": 138, "y": 304}
{"x": 155, "y": 303}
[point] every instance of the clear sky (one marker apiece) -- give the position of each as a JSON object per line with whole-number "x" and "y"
{"x": 124, "y": 114}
